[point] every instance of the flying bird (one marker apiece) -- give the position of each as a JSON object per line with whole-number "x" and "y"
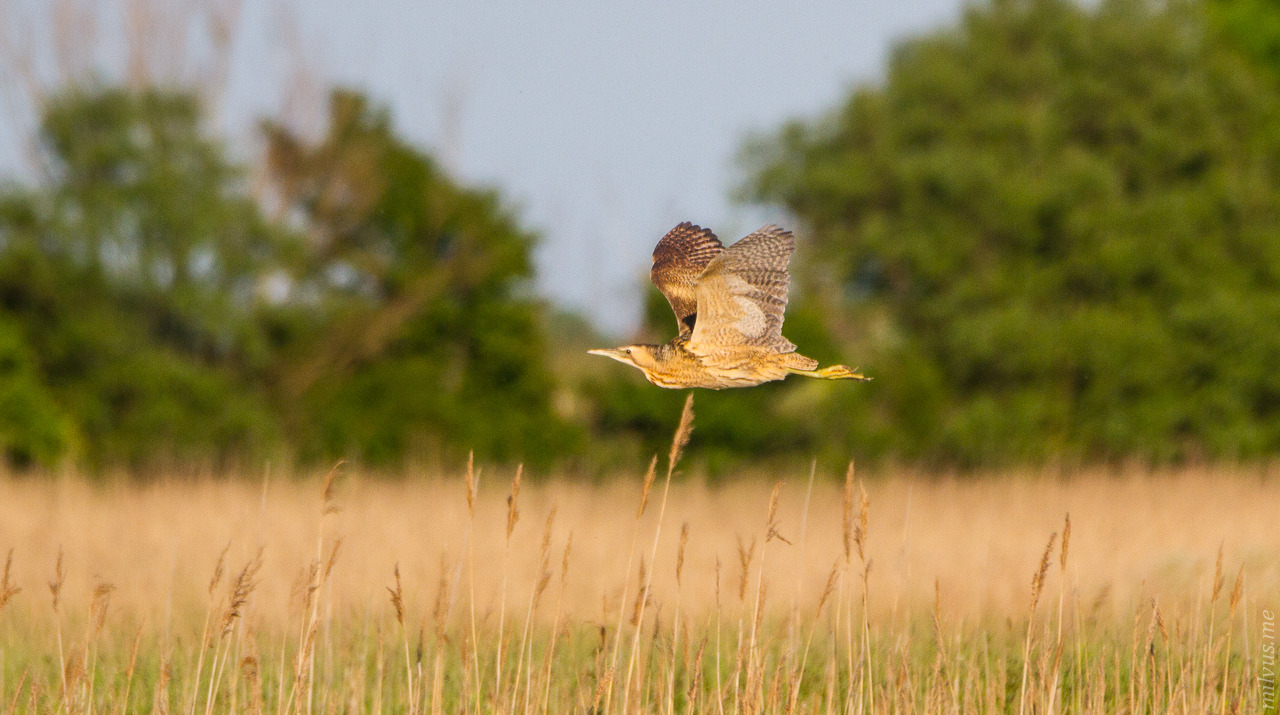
{"x": 729, "y": 305}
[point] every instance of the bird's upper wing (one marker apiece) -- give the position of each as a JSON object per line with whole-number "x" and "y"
{"x": 742, "y": 295}
{"x": 678, "y": 259}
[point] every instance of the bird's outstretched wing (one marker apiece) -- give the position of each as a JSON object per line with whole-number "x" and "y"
{"x": 678, "y": 259}
{"x": 742, "y": 294}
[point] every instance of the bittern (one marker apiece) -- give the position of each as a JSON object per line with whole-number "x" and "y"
{"x": 729, "y": 305}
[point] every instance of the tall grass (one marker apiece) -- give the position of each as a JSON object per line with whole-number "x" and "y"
{"x": 902, "y": 593}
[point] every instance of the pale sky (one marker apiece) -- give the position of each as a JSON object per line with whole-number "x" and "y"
{"x": 604, "y": 123}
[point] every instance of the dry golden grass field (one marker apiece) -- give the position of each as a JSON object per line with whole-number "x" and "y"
{"x": 905, "y": 592}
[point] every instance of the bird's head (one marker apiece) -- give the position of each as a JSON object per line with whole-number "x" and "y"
{"x": 641, "y": 356}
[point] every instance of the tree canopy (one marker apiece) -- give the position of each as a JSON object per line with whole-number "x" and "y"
{"x": 153, "y": 311}
{"x": 1049, "y": 234}
{"x": 1052, "y": 233}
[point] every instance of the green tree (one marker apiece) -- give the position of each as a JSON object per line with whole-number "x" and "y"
{"x": 427, "y": 343}
{"x": 1051, "y": 232}
{"x": 1252, "y": 26}
{"x": 33, "y": 428}
{"x": 133, "y": 273}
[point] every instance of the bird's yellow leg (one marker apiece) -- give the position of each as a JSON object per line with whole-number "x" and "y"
{"x": 833, "y": 372}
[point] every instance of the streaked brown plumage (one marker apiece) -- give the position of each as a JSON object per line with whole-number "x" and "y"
{"x": 729, "y": 305}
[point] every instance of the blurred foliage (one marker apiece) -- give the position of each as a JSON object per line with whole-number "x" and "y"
{"x": 154, "y": 313}
{"x": 1252, "y": 27}
{"x": 1051, "y": 235}
{"x": 427, "y": 342}
{"x": 128, "y": 278}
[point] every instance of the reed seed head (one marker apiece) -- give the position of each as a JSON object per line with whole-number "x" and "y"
{"x": 440, "y": 612}
{"x": 681, "y": 438}
{"x": 397, "y": 597}
{"x": 99, "y": 604}
{"x": 771, "y": 530}
{"x": 745, "y": 555}
{"x": 241, "y": 588}
{"x": 7, "y": 588}
{"x": 219, "y": 569}
{"x": 1037, "y": 581}
{"x": 641, "y": 596}
{"x": 833, "y": 577}
{"x": 545, "y": 551}
{"x": 1066, "y": 542}
{"x": 1217, "y": 576}
{"x": 847, "y": 514}
{"x": 59, "y": 576}
{"x": 471, "y": 483}
{"x": 513, "y": 507}
{"x": 252, "y": 679}
{"x": 860, "y": 529}
{"x": 647, "y": 485}
{"x": 684, "y": 540}
{"x": 1237, "y": 590}
{"x": 328, "y": 505}
{"x": 564, "y": 560}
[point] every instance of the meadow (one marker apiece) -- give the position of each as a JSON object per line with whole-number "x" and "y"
{"x": 481, "y": 591}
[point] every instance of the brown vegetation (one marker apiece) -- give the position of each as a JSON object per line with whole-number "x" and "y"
{"x": 762, "y": 580}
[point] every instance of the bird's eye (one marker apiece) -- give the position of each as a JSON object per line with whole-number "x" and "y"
{"x": 627, "y": 350}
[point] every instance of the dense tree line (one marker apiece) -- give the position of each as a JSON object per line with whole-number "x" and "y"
{"x": 1051, "y": 233}
{"x": 151, "y": 311}
{"x": 1060, "y": 225}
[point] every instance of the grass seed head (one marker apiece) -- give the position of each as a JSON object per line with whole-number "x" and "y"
{"x": 328, "y": 505}
{"x": 219, "y": 569}
{"x": 331, "y": 561}
{"x": 544, "y": 551}
{"x": 59, "y": 576}
{"x": 641, "y": 596}
{"x": 471, "y": 483}
{"x": 397, "y": 596}
{"x": 745, "y": 555}
{"x": 860, "y": 529}
{"x": 681, "y": 438}
{"x": 695, "y": 682}
{"x": 1037, "y": 581}
{"x": 513, "y": 506}
{"x": 241, "y": 588}
{"x": 684, "y": 540}
{"x": 544, "y": 580}
{"x": 73, "y": 671}
{"x": 1217, "y": 576}
{"x": 7, "y": 589}
{"x": 249, "y": 670}
{"x": 440, "y": 611}
{"x": 717, "y": 582}
{"x": 602, "y": 687}
{"x": 1237, "y": 590}
{"x": 99, "y": 604}
{"x": 833, "y": 577}
{"x": 647, "y": 485}
{"x": 847, "y": 514}
{"x": 771, "y": 530}
{"x": 564, "y": 560}
{"x": 1066, "y": 542}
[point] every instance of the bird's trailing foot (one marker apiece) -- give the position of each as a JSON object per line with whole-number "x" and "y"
{"x": 834, "y": 372}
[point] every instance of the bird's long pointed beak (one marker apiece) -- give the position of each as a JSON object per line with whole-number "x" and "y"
{"x": 614, "y": 353}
